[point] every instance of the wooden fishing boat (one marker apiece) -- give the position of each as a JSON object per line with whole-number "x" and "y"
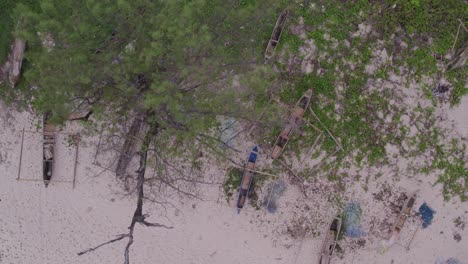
{"x": 329, "y": 243}
{"x": 404, "y": 214}
{"x": 48, "y": 149}
{"x": 247, "y": 178}
{"x": 276, "y": 35}
{"x": 295, "y": 119}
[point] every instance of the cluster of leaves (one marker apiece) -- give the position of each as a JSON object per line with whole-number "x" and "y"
{"x": 159, "y": 56}
{"x": 433, "y": 18}
{"x": 8, "y": 23}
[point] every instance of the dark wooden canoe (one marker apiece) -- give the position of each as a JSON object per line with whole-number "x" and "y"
{"x": 404, "y": 214}
{"x": 247, "y": 178}
{"x": 329, "y": 243}
{"x": 276, "y": 35}
{"x": 48, "y": 150}
{"x": 294, "y": 121}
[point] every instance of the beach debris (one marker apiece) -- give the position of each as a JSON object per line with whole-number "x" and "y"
{"x": 276, "y": 35}
{"x": 247, "y": 178}
{"x": 460, "y": 223}
{"x": 331, "y": 237}
{"x": 459, "y": 59}
{"x": 427, "y": 214}
{"x": 294, "y": 121}
{"x": 403, "y": 215}
{"x": 352, "y": 220}
{"x": 274, "y": 191}
{"x": 441, "y": 260}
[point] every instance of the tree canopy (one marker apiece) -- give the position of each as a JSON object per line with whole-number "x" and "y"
{"x": 161, "y": 56}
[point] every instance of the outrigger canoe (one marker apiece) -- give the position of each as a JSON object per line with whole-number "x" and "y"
{"x": 48, "y": 150}
{"x": 329, "y": 243}
{"x": 247, "y": 179}
{"x": 403, "y": 215}
{"x": 294, "y": 121}
{"x": 276, "y": 35}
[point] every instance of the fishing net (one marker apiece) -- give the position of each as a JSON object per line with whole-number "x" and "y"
{"x": 427, "y": 214}
{"x": 352, "y": 221}
{"x": 274, "y": 192}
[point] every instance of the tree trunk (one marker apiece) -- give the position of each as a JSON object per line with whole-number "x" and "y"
{"x": 459, "y": 59}
{"x": 132, "y": 143}
{"x": 11, "y": 70}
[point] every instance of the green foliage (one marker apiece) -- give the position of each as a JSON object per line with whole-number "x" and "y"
{"x": 422, "y": 61}
{"x": 8, "y": 22}
{"x": 458, "y": 78}
{"x": 163, "y": 57}
{"x": 454, "y": 174}
{"x": 6, "y": 28}
{"x": 436, "y": 18}
{"x": 233, "y": 180}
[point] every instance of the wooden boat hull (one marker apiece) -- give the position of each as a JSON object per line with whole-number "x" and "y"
{"x": 48, "y": 150}
{"x": 294, "y": 121}
{"x": 329, "y": 243}
{"x": 247, "y": 178}
{"x": 276, "y": 35}
{"x": 404, "y": 214}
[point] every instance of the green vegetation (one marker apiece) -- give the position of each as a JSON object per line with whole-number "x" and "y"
{"x": 233, "y": 180}
{"x": 6, "y": 27}
{"x": 8, "y": 22}
{"x": 164, "y": 59}
{"x": 358, "y": 115}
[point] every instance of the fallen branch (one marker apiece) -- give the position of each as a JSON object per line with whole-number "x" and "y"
{"x": 305, "y": 121}
{"x": 138, "y": 216}
{"x": 336, "y": 141}
{"x": 300, "y": 180}
{"x": 119, "y": 237}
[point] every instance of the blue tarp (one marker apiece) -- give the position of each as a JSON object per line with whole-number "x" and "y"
{"x": 253, "y": 155}
{"x": 352, "y": 221}
{"x": 427, "y": 214}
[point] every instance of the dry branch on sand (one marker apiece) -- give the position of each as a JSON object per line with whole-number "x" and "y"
{"x": 166, "y": 175}
{"x": 138, "y": 216}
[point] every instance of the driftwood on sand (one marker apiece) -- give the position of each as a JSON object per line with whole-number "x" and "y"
{"x": 138, "y": 215}
{"x": 459, "y": 59}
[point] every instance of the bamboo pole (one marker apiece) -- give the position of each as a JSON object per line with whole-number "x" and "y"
{"x": 21, "y": 156}
{"x": 256, "y": 171}
{"x": 76, "y": 160}
{"x": 49, "y": 133}
{"x": 311, "y": 148}
{"x": 43, "y": 180}
{"x": 305, "y": 121}
{"x": 414, "y": 235}
{"x": 260, "y": 117}
{"x": 98, "y": 147}
{"x": 301, "y": 181}
{"x": 336, "y": 141}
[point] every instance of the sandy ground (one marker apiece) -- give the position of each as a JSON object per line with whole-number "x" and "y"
{"x": 39, "y": 225}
